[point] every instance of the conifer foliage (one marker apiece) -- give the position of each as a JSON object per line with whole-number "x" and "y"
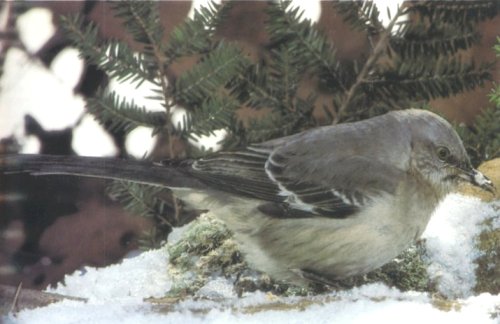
{"x": 482, "y": 139}
{"x": 414, "y": 58}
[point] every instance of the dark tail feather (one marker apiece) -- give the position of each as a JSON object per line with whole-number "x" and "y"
{"x": 96, "y": 167}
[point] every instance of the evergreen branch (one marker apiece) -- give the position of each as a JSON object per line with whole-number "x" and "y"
{"x": 116, "y": 58}
{"x": 215, "y": 113}
{"x": 143, "y": 200}
{"x": 310, "y": 47}
{"x": 272, "y": 85}
{"x": 142, "y": 20}
{"x": 209, "y": 76}
{"x": 196, "y": 35}
{"x": 369, "y": 65}
{"x": 461, "y": 14}
{"x": 412, "y": 46}
{"x": 284, "y": 77}
{"x": 494, "y": 95}
{"x": 424, "y": 82}
{"x": 361, "y": 15}
{"x": 364, "y": 107}
{"x": 271, "y": 126}
{"x": 497, "y": 47}
{"x": 488, "y": 130}
{"x": 482, "y": 139}
{"x": 122, "y": 115}
{"x": 120, "y": 62}
{"x": 252, "y": 88}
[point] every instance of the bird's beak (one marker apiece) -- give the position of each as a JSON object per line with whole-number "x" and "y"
{"x": 477, "y": 179}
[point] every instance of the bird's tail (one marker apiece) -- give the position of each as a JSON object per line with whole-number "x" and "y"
{"x": 106, "y": 168}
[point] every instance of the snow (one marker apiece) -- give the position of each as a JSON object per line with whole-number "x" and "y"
{"x": 116, "y": 293}
{"x": 312, "y": 9}
{"x": 450, "y": 240}
{"x": 140, "y": 142}
{"x": 35, "y": 28}
{"x": 145, "y": 276}
{"x": 197, "y": 4}
{"x": 51, "y": 102}
{"x": 209, "y": 142}
{"x": 68, "y": 67}
{"x": 90, "y": 139}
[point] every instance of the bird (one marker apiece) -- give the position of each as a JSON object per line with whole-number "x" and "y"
{"x": 318, "y": 206}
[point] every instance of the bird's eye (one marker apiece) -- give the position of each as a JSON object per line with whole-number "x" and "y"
{"x": 443, "y": 153}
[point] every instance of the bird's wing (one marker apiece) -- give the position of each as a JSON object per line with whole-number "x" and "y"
{"x": 241, "y": 172}
{"x": 331, "y": 187}
{"x": 295, "y": 185}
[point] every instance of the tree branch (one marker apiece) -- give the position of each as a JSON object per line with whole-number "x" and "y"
{"x": 379, "y": 49}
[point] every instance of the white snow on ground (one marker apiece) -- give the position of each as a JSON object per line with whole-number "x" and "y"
{"x": 144, "y": 276}
{"x": 450, "y": 239}
{"x": 115, "y": 293}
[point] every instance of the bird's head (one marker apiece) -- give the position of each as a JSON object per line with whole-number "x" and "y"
{"x": 438, "y": 154}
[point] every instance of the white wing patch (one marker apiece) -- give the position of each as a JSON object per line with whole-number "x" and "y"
{"x": 315, "y": 199}
{"x": 345, "y": 199}
{"x": 291, "y": 198}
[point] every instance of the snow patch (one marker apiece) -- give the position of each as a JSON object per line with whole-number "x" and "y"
{"x": 35, "y": 28}
{"x": 451, "y": 238}
{"x": 136, "y": 278}
{"x": 90, "y": 139}
{"x": 140, "y": 141}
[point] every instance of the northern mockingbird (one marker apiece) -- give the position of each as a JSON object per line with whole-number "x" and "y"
{"x": 324, "y": 204}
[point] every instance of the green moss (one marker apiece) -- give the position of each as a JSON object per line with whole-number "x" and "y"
{"x": 488, "y": 264}
{"x": 263, "y": 282}
{"x": 446, "y": 305}
{"x": 495, "y": 313}
{"x": 206, "y": 248}
{"x": 204, "y": 235}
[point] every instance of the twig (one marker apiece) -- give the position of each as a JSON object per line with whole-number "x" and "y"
{"x": 27, "y": 299}
{"x": 8, "y": 33}
{"x": 15, "y": 301}
{"x": 368, "y": 66}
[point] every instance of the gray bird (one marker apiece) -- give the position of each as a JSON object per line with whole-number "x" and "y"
{"x": 321, "y": 205}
